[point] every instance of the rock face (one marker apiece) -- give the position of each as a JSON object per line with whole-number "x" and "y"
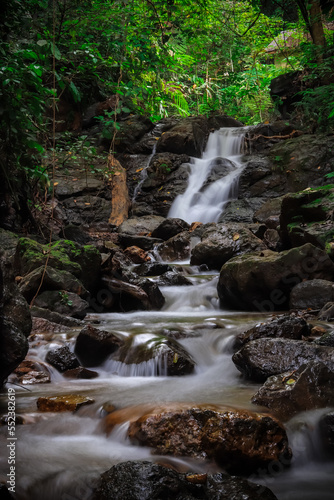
{"x": 15, "y": 320}
{"x": 62, "y": 302}
{"x": 187, "y": 137}
{"x": 236, "y": 439}
{"x": 82, "y": 261}
{"x": 146, "y": 481}
{"x": 93, "y": 346}
{"x": 221, "y": 242}
{"x": 284, "y": 326}
{"x": 259, "y": 359}
{"x": 263, "y": 281}
{"x": 310, "y": 386}
{"x": 312, "y": 294}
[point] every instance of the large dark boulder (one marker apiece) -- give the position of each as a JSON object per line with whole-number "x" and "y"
{"x": 221, "y": 242}
{"x": 62, "y": 302}
{"x": 170, "y": 227}
{"x": 237, "y": 440}
{"x": 284, "y": 326}
{"x": 123, "y": 296}
{"x": 189, "y": 137}
{"x": 62, "y": 359}
{"x": 310, "y": 386}
{"x": 263, "y": 281}
{"x": 262, "y": 358}
{"x": 93, "y": 345}
{"x": 146, "y": 481}
{"x": 312, "y": 294}
{"x": 285, "y": 90}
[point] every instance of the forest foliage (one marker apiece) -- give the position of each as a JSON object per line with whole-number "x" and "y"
{"x": 161, "y": 58}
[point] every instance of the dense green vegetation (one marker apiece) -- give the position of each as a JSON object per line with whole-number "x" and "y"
{"x": 159, "y": 58}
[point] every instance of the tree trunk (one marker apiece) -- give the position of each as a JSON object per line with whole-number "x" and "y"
{"x": 317, "y": 29}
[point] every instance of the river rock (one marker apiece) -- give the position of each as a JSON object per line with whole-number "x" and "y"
{"x": 70, "y": 402}
{"x": 310, "y": 386}
{"x": 327, "y": 312}
{"x": 41, "y": 325}
{"x": 263, "y": 281}
{"x": 170, "y": 357}
{"x": 177, "y": 247}
{"x": 269, "y": 213}
{"x": 189, "y": 137}
{"x": 240, "y": 210}
{"x": 62, "y": 302}
{"x": 326, "y": 428}
{"x": 141, "y": 480}
{"x": 285, "y": 326}
{"x": 312, "y": 294}
{"x": 137, "y": 255}
{"x": 327, "y": 339}
{"x": 32, "y": 372}
{"x": 221, "y": 242}
{"x": 140, "y": 226}
{"x": 126, "y": 297}
{"x": 173, "y": 278}
{"x": 143, "y": 242}
{"x": 93, "y": 346}
{"x": 53, "y": 279}
{"x": 15, "y": 320}
{"x": 62, "y": 359}
{"x": 237, "y": 440}
{"x": 83, "y": 262}
{"x": 170, "y": 227}
{"x": 261, "y": 358}
{"x": 54, "y": 317}
{"x": 152, "y": 269}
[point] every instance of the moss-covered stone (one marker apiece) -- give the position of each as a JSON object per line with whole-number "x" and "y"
{"x": 82, "y": 261}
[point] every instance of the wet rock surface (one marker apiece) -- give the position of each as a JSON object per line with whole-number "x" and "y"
{"x": 263, "y": 281}
{"x": 63, "y": 302}
{"x": 314, "y": 294}
{"x": 261, "y": 358}
{"x": 93, "y": 346}
{"x": 137, "y": 480}
{"x": 238, "y": 440}
{"x": 221, "y": 242}
{"x": 62, "y": 359}
{"x": 70, "y": 402}
{"x": 310, "y": 386}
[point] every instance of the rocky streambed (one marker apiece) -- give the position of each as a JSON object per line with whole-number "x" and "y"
{"x": 160, "y": 350}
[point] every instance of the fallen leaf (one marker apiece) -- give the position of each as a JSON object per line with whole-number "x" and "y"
{"x": 55, "y": 183}
{"x": 236, "y": 236}
{"x": 87, "y": 203}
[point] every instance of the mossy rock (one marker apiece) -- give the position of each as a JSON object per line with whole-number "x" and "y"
{"x": 83, "y": 261}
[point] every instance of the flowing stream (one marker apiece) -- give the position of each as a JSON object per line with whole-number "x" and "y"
{"x": 60, "y": 455}
{"x": 222, "y": 156}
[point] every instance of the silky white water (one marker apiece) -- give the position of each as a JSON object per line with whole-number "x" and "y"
{"x": 205, "y": 204}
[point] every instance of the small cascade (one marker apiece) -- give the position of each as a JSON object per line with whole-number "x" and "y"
{"x": 155, "y": 367}
{"x": 143, "y": 174}
{"x": 221, "y": 158}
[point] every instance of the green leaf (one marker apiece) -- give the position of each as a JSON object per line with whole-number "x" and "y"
{"x": 75, "y": 92}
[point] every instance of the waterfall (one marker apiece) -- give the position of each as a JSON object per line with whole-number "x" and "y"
{"x": 221, "y": 159}
{"x": 143, "y": 174}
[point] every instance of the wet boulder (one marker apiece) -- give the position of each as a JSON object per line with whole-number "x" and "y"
{"x": 83, "y": 262}
{"x": 140, "y": 226}
{"x": 80, "y": 373}
{"x": 263, "y": 281}
{"x": 126, "y": 297}
{"x": 237, "y": 440}
{"x": 327, "y": 312}
{"x": 176, "y": 248}
{"x": 55, "y": 318}
{"x": 261, "y": 358}
{"x": 62, "y": 359}
{"x": 158, "y": 355}
{"x": 221, "y": 242}
{"x": 32, "y": 372}
{"x": 309, "y": 387}
{"x": 240, "y": 210}
{"x": 284, "y": 326}
{"x": 326, "y": 340}
{"x": 170, "y": 227}
{"x": 93, "y": 346}
{"x": 173, "y": 278}
{"x": 69, "y": 402}
{"x": 312, "y": 294}
{"x": 189, "y": 137}
{"x": 142, "y": 480}
{"x": 152, "y": 269}
{"x": 269, "y": 213}
{"x": 63, "y": 302}
{"x": 53, "y": 279}
{"x": 137, "y": 255}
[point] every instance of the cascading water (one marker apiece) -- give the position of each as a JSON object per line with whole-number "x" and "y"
{"x": 222, "y": 158}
